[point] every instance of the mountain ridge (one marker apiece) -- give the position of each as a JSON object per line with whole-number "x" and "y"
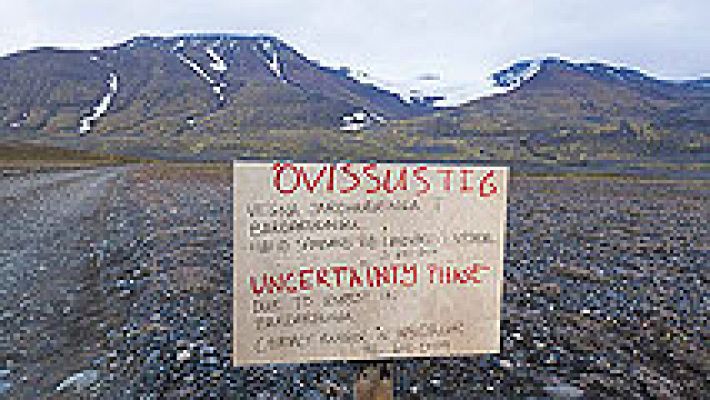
{"x": 609, "y": 70}
{"x": 557, "y": 111}
{"x": 229, "y": 96}
{"x": 225, "y": 64}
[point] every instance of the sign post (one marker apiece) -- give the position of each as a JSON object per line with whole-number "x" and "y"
{"x": 366, "y": 261}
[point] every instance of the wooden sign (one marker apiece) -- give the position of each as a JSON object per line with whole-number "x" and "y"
{"x": 366, "y": 261}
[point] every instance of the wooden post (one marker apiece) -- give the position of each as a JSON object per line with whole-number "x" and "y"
{"x": 375, "y": 382}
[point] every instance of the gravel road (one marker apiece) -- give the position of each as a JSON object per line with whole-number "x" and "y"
{"x": 48, "y": 247}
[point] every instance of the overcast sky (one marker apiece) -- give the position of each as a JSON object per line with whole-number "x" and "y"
{"x": 460, "y": 41}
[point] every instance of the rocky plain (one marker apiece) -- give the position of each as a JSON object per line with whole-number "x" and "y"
{"x": 118, "y": 284}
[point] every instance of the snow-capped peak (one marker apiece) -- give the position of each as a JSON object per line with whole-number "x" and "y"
{"x": 521, "y": 71}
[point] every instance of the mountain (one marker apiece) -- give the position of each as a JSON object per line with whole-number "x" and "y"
{"x": 556, "y": 109}
{"x": 185, "y": 85}
{"x": 228, "y": 96}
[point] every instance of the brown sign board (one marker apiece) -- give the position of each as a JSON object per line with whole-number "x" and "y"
{"x": 366, "y": 261}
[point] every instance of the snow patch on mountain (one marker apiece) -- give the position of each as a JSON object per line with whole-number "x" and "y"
{"x": 102, "y": 107}
{"x": 271, "y": 55}
{"x": 360, "y": 120}
{"x": 179, "y": 45}
{"x": 218, "y": 63}
{"x": 196, "y": 68}
{"x": 515, "y": 75}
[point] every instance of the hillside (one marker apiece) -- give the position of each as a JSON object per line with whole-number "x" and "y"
{"x": 563, "y": 111}
{"x": 195, "y": 84}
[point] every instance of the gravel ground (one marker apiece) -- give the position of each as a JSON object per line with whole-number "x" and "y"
{"x": 118, "y": 285}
